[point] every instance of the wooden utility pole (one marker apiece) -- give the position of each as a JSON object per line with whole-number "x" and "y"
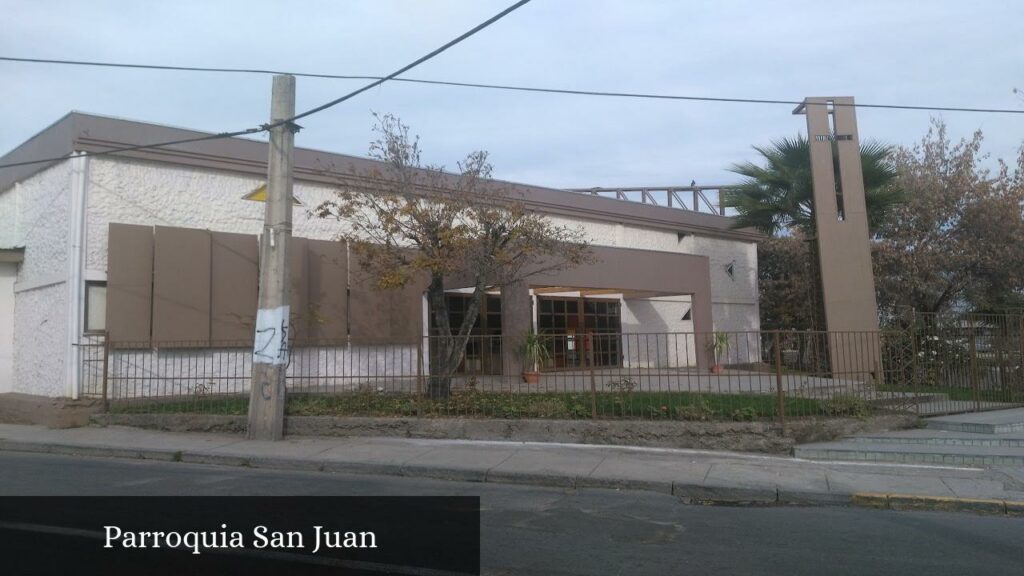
{"x": 270, "y": 353}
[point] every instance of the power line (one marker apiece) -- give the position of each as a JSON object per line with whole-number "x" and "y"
{"x": 322, "y": 107}
{"x": 217, "y": 136}
{"x": 405, "y": 68}
{"x": 536, "y": 89}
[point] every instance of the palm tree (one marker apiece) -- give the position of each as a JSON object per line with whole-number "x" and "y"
{"x": 778, "y": 196}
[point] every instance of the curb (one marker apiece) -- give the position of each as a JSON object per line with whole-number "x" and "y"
{"x": 687, "y": 493}
{"x": 937, "y": 504}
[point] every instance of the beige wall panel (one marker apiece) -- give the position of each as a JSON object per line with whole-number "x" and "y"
{"x": 129, "y": 283}
{"x": 328, "y": 285}
{"x": 181, "y": 287}
{"x": 234, "y": 287}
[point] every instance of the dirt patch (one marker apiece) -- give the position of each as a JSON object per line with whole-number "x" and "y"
{"x": 761, "y": 437}
{"x": 829, "y": 429}
{"x": 18, "y": 408}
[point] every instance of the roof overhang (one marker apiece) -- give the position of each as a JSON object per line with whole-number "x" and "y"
{"x": 9, "y": 255}
{"x": 90, "y": 133}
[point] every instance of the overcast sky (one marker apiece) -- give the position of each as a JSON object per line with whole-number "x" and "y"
{"x": 944, "y": 53}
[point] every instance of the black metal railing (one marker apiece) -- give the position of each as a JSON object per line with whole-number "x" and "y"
{"x": 752, "y": 375}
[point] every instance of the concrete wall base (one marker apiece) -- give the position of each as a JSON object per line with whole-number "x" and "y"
{"x": 17, "y": 408}
{"x": 761, "y": 437}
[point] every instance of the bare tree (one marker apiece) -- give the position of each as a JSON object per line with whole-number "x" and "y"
{"x": 408, "y": 220}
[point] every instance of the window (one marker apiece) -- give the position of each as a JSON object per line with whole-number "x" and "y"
{"x": 95, "y": 306}
{"x": 483, "y": 350}
{"x": 566, "y": 320}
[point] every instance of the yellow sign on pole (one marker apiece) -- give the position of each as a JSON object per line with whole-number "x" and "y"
{"x": 260, "y": 195}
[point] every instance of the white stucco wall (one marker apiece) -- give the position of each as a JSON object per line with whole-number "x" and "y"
{"x": 37, "y": 209}
{"x": 40, "y": 343}
{"x": 43, "y": 204}
{"x": 195, "y": 373}
{"x": 8, "y": 274}
{"x": 654, "y": 334}
{"x": 10, "y": 219}
{"x": 148, "y": 193}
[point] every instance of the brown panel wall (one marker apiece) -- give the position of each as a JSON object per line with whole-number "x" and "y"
{"x": 393, "y": 316}
{"x": 327, "y": 262}
{"x": 129, "y": 283}
{"x": 298, "y": 299}
{"x": 181, "y": 286}
{"x": 644, "y": 271}
{"x": 406, "y": 312}
{"x": 234, "y": 286}
{"x": 369, "y": 310}
{"x": 189, "y": 287}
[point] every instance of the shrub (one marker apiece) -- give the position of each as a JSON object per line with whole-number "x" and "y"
{"x": 854, "y": 406}
{"x": 548, "y": 409}
{"x": 700, "y": 411}
{"x": 745, "y": 414}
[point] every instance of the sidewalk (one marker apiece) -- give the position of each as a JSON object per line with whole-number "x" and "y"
{"x": 692, "y": 475}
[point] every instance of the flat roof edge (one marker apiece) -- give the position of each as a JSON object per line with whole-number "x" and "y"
{"x": 94, "y": 133}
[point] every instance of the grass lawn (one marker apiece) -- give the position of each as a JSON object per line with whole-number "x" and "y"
{"x": 637, "y": 405}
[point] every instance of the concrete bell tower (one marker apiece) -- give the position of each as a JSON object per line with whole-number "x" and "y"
{"x": 844, "y": 246}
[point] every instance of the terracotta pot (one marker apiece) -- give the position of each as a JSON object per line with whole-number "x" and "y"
{"x": 717, "y": 369}
{"x": 531, "y": 377}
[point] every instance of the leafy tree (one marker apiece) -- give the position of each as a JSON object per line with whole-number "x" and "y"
{"x": 405, "y": 220}
{"x": 786, "y": 289}
{"x": 778, "y": 197}
{"x": 958, "y": 242}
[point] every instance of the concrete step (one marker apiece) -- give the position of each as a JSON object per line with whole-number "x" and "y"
{"x": 973, "y": 456}
{"x": 946, "y": 407}
{"x": 941, "y": 438}
{"x": 905, "y": 398}
{"x": 994, "y": 422}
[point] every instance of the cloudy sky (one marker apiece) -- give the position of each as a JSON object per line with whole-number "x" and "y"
{"x": 943, "y": 53}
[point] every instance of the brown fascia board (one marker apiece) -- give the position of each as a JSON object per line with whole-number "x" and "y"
{"x": 92, "y": 133}
{"x": 12, "y": 255}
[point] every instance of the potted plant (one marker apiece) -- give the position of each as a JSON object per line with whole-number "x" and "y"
{"x": 718, "y": 343}
{"x": 535, "y": 354}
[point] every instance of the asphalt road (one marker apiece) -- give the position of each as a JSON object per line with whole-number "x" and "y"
{"x": 531, "y": 530}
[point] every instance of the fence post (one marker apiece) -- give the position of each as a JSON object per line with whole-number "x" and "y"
{"x": 1020, "y": 344}
{"x": 419, "y": 367}
{"x": 588, "y": 343}
{"x": 780, "y": 393}
{"x": 912, "y": 330}
{"x": 972, "y": 351}
{"x": 106, "y": 360}
{"x": 1003, "y": 336}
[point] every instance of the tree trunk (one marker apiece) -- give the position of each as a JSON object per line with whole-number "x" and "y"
{"x": 447, "y": 350}
{"x": 440, "y": 382}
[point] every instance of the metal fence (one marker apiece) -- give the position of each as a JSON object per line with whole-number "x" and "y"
{"x": 750, "y": 375}
{"x": 968, "y": 362}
